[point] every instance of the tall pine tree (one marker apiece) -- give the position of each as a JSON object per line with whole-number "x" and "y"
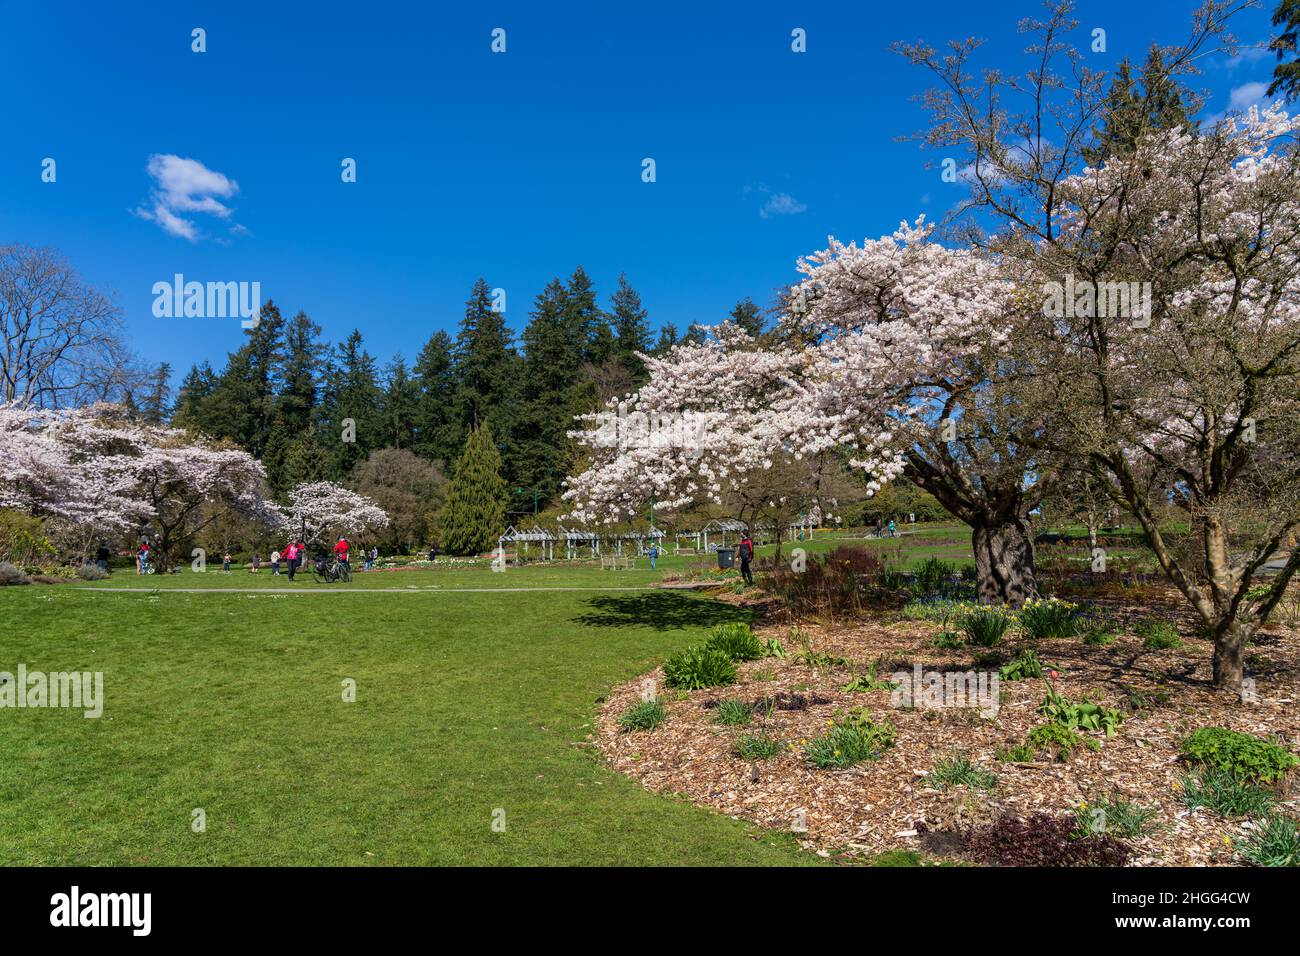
{"x": 474, "y": 514}
{"x": 487, "y": 368}
{"x": 631, "y": 333}
{"x": 438, "y": 436}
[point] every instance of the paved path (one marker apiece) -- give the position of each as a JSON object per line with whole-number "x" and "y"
{"x": 345, "y": 590}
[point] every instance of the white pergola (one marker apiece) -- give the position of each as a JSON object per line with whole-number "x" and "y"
{"x": 527, "y": 536}
{"x": 640, "y": 537}
{"x": 575, "y": 538}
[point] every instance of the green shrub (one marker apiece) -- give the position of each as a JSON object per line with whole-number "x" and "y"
{"x": 958, "y": 771}
{"x": 737, "y": 641}
{"x": 985, "y": 625}
{"x": 759, "y": 746}
{"x": 851, "y": 739}
{"x": 1158, "y": 635}
{"x": 733, "y": 712}
{"x": 698, "y": 667}
{"x": 1050, "y": 617}
{"x": 1223, "y": 792}
{"x": 1058, "y": 741}
{"x": 1250, "y": 758}
{"x": 646, "y": 715}
{"x": 1275, "y": 841}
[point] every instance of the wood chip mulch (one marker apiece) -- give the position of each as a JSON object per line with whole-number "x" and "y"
{"x": 887, "y": 804}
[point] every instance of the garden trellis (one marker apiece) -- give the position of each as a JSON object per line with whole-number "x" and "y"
{"x": 528, "y": 536}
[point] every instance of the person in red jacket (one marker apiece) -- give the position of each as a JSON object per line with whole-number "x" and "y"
{"x": 341, "y": 553}
{"x": 746, "y": 554}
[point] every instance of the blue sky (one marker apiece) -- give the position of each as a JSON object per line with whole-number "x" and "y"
{"x": 514, "y": 166}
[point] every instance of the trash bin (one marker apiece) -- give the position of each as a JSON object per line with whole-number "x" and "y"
{"x": 726, "y": 558}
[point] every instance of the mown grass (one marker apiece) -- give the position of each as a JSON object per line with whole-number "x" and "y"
{"x": 466, "y": 704}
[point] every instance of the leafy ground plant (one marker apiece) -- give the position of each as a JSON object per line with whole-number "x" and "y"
{"x": 733, "y": 712}
{"x": 1223, "y": 792}
{"x": 1026, "y": 664}
{"x": 737, "y": 641}
{"x": 1048, "y": 617}
{"x": 868, "y": 681}
{"x": 759, "y": 746}
{"x": 1274, "y": 841}
{"x": 957, "y": 770}
{"x": 851, "y": 739}
{"x": 1114, "y": 815}
{"x": 1158, "y": 635}
{"x": 1249, "y": 758}
{"x": 1058, "y": 741}
{"x": 1087, "y": 715}
{"x": 699, "y": 667}
{"x": 647, "y": 715}
{"x": 985, "y": 626}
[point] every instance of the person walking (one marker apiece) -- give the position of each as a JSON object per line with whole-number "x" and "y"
{"x": 255, "y": 563}
{"x": 374, "y": 557}
{"x": 225, "y": 563}
{"x": 892, "y": 532}
{"x": 291, "y": 557}
{"x": 746, "y": 553}
{"x": 275, "y": 562}
{"x": 101, "y": 556}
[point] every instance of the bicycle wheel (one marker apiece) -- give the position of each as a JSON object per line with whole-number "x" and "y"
{"x": 320, "y": 577}
{"x": 345, "y": 574}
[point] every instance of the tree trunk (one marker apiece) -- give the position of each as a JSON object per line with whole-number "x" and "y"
{"x": 1004, "y": 562}
{"x": 1230, "y": 640}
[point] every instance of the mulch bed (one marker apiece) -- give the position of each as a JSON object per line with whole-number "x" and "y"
{"x": 887, "y": 804}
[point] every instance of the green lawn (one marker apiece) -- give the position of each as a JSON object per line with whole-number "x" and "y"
{"x": 470, "y": 699}
{"x": 466, "y": 703}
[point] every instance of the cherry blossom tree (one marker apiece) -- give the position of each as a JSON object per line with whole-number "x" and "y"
{"x": 321, "y": 508}
{"x": 97, "y": 469}
{"x": 908, "y": 368}
{"x": 48, "y": 473}
{"x": 712, "y": 426}
{"x": 1194, "y": 400}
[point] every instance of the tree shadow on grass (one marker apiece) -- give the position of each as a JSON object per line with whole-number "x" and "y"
{"x": 662, "y": 610}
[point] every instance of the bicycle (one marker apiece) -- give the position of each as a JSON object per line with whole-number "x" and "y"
{"x": 331, "y": 572}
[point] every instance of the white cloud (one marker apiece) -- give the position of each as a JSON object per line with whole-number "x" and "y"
{"x": 1247, "y": 95}
{"x": 782, "y": 204}
{"x": 186, "y": 186}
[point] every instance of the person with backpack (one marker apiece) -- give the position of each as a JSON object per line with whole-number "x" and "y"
{"x": 746, "y": 554}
